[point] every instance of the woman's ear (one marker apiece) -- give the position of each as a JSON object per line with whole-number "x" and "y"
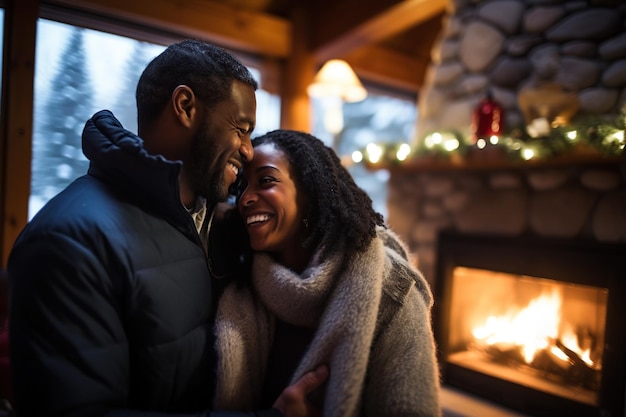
{"x": 185, "y": 105}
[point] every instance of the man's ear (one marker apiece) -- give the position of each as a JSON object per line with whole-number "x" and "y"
{"x": 185, "y": 105}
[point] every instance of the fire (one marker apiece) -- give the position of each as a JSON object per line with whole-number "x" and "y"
{"x": 534, "y": 328}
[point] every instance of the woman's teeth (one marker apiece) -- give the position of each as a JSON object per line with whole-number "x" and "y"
{"x": 257, "y": 218}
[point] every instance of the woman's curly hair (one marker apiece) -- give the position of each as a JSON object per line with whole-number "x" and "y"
{"x": 340, "y": 215}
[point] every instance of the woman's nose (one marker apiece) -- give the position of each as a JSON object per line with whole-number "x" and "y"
{"x": 247, "y": 198}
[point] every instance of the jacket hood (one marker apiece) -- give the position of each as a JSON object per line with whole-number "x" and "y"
{"x": 118, "y": 157}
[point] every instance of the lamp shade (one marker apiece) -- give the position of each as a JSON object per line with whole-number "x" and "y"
{"x": 337, "y": 79}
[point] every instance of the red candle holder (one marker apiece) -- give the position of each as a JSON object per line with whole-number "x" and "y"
{"x": 487, "y": 119}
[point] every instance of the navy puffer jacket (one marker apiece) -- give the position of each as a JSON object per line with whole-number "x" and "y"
{"x": 111, "y": 294}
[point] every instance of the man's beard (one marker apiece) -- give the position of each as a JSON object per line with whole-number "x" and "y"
{"x": 215, "y": 190}
{"x": 206, "y": 177}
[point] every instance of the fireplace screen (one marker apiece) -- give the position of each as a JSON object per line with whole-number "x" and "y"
{"x": 536, "y": 326}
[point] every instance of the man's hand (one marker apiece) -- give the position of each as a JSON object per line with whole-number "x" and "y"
{"x": 293, "y": 402}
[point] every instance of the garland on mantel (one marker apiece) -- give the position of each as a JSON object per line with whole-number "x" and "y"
{"x": 588, "y": 135}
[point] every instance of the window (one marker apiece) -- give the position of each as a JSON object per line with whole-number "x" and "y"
{"x": 380, "y": 119}
{"x": 79, "y": 72}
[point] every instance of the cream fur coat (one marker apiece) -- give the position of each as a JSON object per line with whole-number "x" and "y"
{"x": 373, "y": 329}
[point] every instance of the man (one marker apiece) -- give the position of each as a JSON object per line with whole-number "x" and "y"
{"x": 112, "y": 297}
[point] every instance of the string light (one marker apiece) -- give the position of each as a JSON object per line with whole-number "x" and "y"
{"x": 403, "y": 151}
{"x": 617, "y": 137}
{"x": 451, "y": 144}
{"x": 528, "y": 153}
{"x": 374, "y": 152}
{"x": 433, "y": 140}
{"x": 599, "y": 138}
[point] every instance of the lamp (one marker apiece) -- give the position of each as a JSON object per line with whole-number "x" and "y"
{"x": 336, "y": 82}
{"x": 337, "y": 79}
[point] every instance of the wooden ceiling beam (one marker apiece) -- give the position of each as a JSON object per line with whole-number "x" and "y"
{"x": 235, "y": 28}
{"x": 377, "y": 26}
{"x": 352, "y": 29}
{"x": 385, "y": 67}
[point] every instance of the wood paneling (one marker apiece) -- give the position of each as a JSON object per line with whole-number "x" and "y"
{"x": 232, "y": 27}
{"x": 340, "y": 32}
{"x": 17, "y": 119}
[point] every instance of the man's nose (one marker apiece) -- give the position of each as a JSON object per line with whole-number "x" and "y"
{"x": 246, "y": 150}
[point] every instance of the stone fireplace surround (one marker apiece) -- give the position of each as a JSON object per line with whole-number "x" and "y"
{"x": 581, "y": 201}
{"x": 507, "y": 46}
{"x": 584, "y": 200}
{"x": 503, "y": 47}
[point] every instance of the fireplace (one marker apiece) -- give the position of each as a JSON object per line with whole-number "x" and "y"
{"x": 532, "y": 323}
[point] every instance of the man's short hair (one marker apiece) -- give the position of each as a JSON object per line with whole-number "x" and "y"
{"x": 207, "y": 69}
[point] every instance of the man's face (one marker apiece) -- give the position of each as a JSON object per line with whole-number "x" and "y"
{"x": 222, "y": 144}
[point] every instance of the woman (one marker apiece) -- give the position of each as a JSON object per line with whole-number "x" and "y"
{"x": 329, "y": 284}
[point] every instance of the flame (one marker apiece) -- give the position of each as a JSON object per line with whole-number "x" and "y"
{"x": 533, "y": 328}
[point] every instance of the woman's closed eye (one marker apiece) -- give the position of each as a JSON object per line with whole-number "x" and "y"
{"x": 267, "y": 180}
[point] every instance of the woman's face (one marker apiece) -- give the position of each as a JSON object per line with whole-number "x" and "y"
{"x": 272, "y": 206}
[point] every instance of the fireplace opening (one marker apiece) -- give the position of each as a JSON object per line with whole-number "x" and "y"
{"x": 533, "y": 324}
{"x": 532, "y": 331}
